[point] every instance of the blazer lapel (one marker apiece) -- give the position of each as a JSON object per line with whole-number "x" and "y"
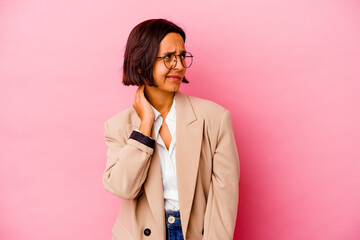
{"x": 189, "y": 132}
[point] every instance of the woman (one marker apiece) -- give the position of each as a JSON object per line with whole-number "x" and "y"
{"x": 172, "y": 158}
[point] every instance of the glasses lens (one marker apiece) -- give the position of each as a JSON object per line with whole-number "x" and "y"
{"x": 169, "y": 60}
{"x": 186, "y": 59}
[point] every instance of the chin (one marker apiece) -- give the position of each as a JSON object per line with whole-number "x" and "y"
{"x": 176, "y": 89}
{"x": 173, "y": 89}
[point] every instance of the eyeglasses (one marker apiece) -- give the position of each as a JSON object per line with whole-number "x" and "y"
{"x": 170, "y": 60}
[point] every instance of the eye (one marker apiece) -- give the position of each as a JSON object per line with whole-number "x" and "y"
{"x": 182, "y": 55}
{"x": 167, "y": 56}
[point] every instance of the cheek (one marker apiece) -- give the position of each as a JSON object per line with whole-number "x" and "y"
{"x": 159, "y": 72}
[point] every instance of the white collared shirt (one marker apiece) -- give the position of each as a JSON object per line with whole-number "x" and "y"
{"x": 167, "y": 157}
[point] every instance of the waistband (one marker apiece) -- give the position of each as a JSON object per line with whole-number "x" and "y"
{"x": 172, "y": 218}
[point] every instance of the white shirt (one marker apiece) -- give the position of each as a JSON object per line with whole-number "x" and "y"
{"x": 167, "y": 157}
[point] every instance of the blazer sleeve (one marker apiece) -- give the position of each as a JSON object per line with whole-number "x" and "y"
{"x": 222, "y": 203}
{"x": 128, "y": 161}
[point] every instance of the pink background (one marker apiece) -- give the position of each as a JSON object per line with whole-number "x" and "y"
{"x": 287, "y": 70}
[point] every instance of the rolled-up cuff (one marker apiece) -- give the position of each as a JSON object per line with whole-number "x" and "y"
{"x": 142, "y": 138}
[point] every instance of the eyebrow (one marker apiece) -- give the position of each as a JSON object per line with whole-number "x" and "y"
{"x": 166, "y": 53}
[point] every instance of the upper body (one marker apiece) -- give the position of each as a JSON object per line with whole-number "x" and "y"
{"x": 205, "y": 153}
{"x": 207, "y": 167}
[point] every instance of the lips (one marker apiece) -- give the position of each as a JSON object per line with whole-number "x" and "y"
{"x": 174, "y": 77}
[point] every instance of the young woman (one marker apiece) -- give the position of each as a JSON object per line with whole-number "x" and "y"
{"x": 171, "y": 157}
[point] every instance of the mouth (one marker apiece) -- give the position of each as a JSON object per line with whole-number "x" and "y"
{"x": 175, "y": 78}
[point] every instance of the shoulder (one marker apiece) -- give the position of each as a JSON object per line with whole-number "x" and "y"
{"x": 215, "y": 116}
{"x": 122, "y": 119}
{"x": 206, "y": 108}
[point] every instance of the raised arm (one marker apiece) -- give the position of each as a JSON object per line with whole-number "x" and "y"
{"x": 128, "y": 161}
{"x": 128, "y": 158}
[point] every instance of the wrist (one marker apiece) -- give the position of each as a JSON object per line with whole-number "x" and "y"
{"x": 145, "y": 128}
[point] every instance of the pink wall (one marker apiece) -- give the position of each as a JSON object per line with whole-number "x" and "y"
{"x": 287, "y": 70}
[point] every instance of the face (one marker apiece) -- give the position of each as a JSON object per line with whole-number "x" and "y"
{"x": 169, "y": 80}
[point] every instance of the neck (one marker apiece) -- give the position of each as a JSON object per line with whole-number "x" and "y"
{"x": 160, "y": 100}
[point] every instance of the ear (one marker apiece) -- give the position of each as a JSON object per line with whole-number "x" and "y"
{"x": 139, "y": 70}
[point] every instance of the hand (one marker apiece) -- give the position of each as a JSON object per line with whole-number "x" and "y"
{"x": 144, "y": 111}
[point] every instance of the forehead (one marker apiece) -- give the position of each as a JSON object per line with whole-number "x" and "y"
{"x": 172, "y": 42}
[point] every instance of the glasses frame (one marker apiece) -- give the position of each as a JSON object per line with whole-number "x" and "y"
{"x": 163, "y": 58}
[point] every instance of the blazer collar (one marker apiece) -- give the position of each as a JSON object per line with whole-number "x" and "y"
{"x": 189, "y": 132}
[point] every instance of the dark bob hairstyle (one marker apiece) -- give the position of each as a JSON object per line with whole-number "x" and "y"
{"x": 142, "y": 48}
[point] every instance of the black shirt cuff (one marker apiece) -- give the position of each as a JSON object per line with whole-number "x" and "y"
{"x": 143, "y": 139}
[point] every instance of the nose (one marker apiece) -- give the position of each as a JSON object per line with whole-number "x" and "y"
{"x": 177, "y": 63}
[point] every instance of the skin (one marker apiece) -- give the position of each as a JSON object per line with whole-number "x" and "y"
{"x": 160, "y": 97}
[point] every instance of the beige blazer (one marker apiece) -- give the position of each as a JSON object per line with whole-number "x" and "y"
{"x": 207, "y": 167}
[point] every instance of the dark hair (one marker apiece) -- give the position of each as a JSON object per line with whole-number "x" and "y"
{"x": 142, "y": 48}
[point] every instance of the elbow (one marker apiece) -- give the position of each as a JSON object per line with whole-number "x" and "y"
{"x": 119, "y": 189}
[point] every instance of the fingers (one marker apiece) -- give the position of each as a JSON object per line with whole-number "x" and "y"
{"x": 139, "y": 98}
{"x": 137, "y": 94}
{"x": 141, "y": 91}
{"x": 141, "y": 94}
